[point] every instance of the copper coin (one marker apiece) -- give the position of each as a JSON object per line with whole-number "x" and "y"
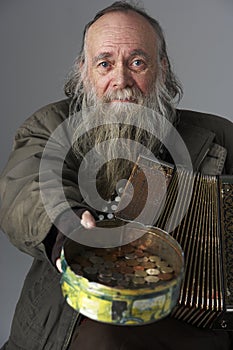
{"x": 165, "y": 276}
{"x": 126, "y": 269}
{"x": 139, "y": 268}
{"x": 132, "y": 263}
{"x": 120, "y": 263}
{"x": 139, "y": 253}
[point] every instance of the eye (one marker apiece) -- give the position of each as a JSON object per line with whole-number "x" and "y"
{"x": 138, "y": 64}
{"x": 104, "y": 64}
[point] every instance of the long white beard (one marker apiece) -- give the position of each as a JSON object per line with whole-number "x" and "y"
{"x": 116, "y": 129}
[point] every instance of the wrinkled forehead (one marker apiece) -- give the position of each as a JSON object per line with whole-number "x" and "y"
{"x": 121, "y": 28}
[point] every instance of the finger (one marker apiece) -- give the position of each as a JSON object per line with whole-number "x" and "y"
{"x": 87, "y": 220}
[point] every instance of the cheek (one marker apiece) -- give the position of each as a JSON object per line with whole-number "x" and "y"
{"x": 97, "y": 82}
{"x": 144, "y": 84}
{"x": 101, "y": 85}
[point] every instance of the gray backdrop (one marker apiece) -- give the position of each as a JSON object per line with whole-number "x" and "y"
{"x": 39, "y": 42}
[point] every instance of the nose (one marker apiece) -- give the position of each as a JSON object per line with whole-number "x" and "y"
{"x": 122, "y": 77}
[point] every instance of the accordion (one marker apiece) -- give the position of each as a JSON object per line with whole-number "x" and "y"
{"x": 197, "y": 210}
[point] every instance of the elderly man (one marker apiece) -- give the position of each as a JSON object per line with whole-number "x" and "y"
{"x": 123, "y": 65}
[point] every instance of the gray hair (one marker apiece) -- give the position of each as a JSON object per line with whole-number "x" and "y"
{"x": 171, "y": 83}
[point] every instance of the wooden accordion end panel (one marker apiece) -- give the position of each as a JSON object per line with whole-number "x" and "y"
{"x": 197, "y": 210}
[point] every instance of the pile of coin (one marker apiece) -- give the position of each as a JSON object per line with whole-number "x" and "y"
{"x": 127, "y": 266}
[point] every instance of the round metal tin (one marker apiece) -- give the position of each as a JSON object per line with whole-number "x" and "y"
{"x": 128, "y": 306}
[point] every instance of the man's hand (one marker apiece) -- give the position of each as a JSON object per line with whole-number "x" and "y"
{"x": 87, "y": 221}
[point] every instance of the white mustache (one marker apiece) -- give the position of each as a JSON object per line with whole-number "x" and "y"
{"x": 128, "y": 95}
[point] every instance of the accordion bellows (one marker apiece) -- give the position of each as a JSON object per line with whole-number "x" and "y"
{"x": 197, "y": 210}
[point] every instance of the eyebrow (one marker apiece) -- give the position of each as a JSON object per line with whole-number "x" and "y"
{"x": 136, "y": 52}
{"x": 101, "y": 56}
{"x": 139, "y": 52}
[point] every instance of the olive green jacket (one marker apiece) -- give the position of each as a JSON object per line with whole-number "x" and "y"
{"x": 43, "y": 320}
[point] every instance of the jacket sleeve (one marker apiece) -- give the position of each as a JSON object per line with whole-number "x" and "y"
{"x": 23, "y": 215}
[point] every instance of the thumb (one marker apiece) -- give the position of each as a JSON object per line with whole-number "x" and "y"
{"x": 87, "y": 220}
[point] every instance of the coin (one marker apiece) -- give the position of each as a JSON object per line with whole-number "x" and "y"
{"x": 138, "y": 280}
{"x": 143, "y": 259}
{"x": 139, "y": 253}
{"x": 132, "y": 262}
{"x": 126, "y": 269}
{"x": 140, "y": 273}
{"x": 148, "y": 265}
{"x": 152, "y": 279}
{"x": 120, "y": 263}
{"x": 129, "y": 256}
{"x": 108, "y": 264}
{"x": 167, "y": 269}
{"x": 154, "y": 258}
{"x": 138, "y": 268}
{"x": 153, "y": 272}
{"x": 96, "y": 259}
{"x": 162, "y": 263}
{"x": 130, "y": 266}
{"x": 90, "y": 270}
{"x": 165, "y": 276}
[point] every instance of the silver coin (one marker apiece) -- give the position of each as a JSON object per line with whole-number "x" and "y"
{"x": 105, "y": 280}
{"x": 167, "y": 269}
{"x": 152, "y": 279}
{"x": 154, "y": 258}
{"x": 129, "y": 256}
{"x": 140, "y": 273}
{"x": 138, "y": 280}
{"x": 162, "y": 263}
{"x": 105, "y": 274}
{"x": 143, "y": 259}
{"x": 153, "y": 272}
